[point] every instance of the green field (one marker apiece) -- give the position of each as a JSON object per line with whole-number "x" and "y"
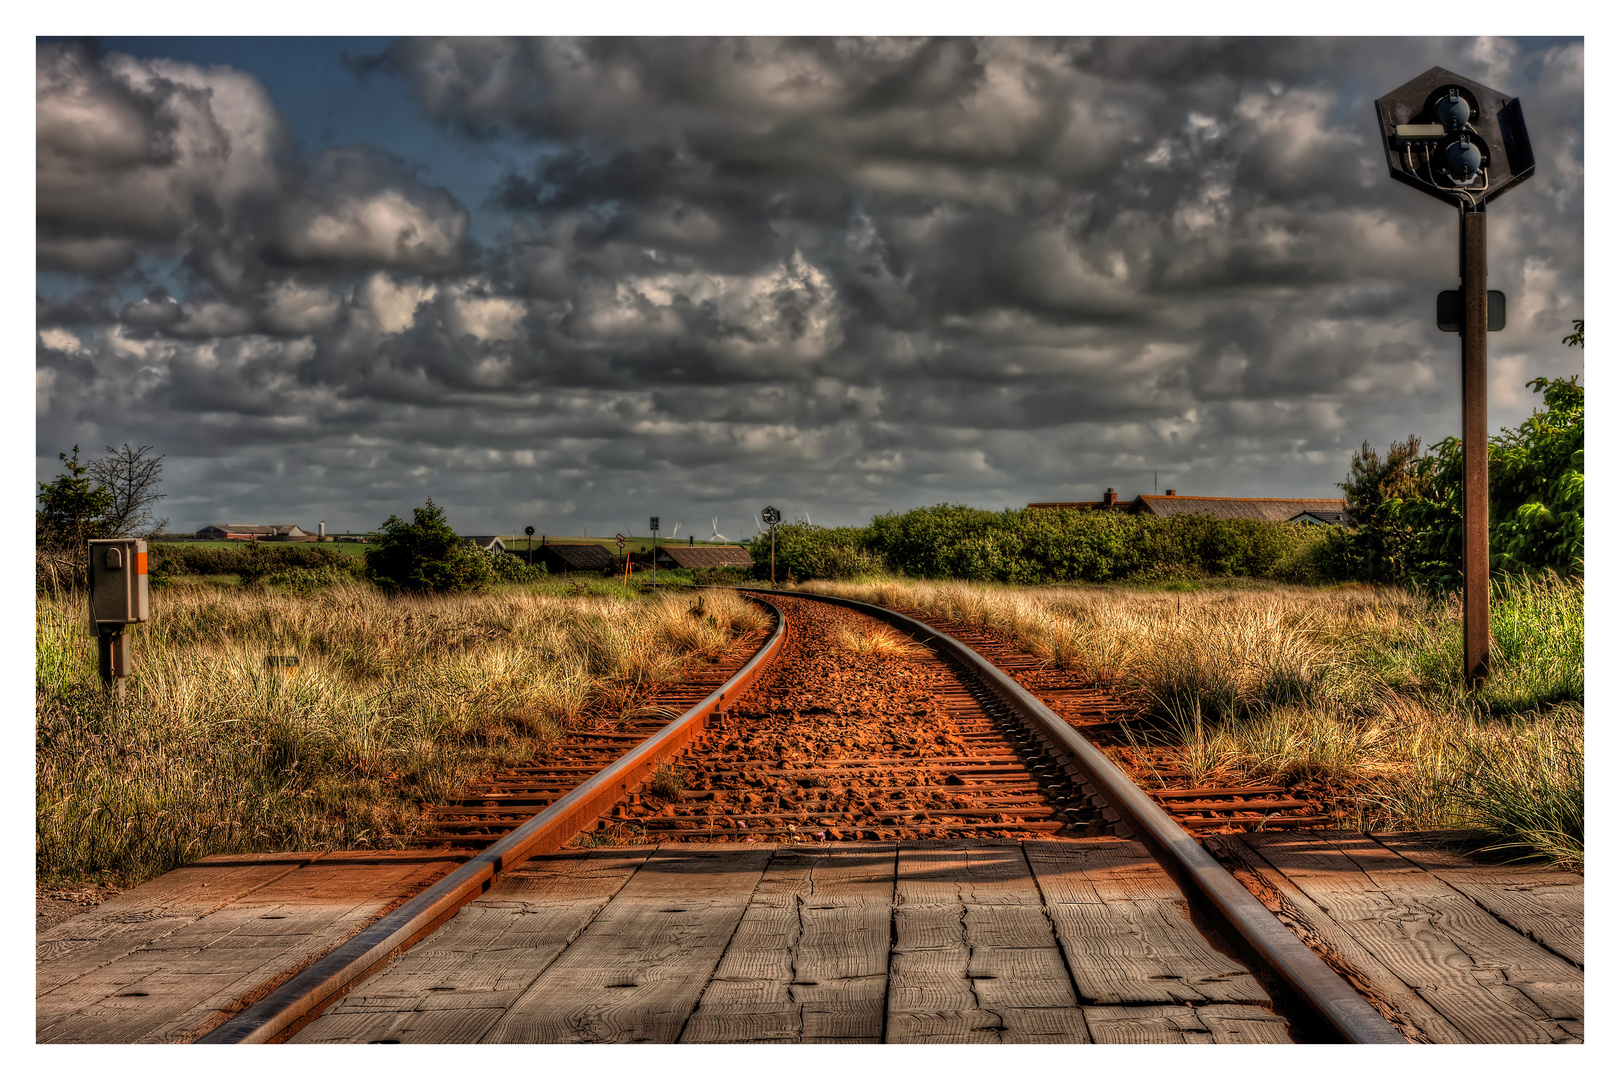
{"x": 518, "y": 543}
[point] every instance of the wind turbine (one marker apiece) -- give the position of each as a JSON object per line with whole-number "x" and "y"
{"x": 675, "y": 530}
{"x": 717, "y": 536}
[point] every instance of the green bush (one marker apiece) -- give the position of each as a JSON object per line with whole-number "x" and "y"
{"x": 724, "y": 575}
{"x": 253, "y": 561}
{"x": 512, "y": 568}
{"x": 811, "y": 551}
{"x": 1031, "y": 546}
{"x": 1537, "y": 497}
{"x": 425, "y": 556}
{"x": 302, "y": 579}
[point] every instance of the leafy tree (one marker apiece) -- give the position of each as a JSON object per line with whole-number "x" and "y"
{"x": 425, "y": 555}
{"x": 1537, "y": 493}
{"x": 1377, "y": 549}
{"x": 71, "y": 511}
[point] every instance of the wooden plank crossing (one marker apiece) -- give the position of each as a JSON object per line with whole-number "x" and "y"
{"x": 1426, "y": 947}
{"x": 955, "y": 941}
{"x": 184, "y": 981}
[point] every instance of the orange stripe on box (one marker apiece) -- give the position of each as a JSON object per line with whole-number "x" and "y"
{"x": 140, "y": 562}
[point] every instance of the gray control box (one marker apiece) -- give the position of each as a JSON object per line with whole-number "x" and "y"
{"x": 118, "y": 589}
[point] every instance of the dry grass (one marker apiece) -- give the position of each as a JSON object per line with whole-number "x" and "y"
{"x": 396, "y": 702}
{"x": 880, "y": 642}
{"x": 1350, "y": 691}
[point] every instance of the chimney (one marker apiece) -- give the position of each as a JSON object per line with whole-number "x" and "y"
{"x": 1169, "y": 491}
{"x": 1110, "y": 497}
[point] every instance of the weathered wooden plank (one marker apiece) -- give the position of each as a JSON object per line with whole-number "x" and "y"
{"x": 1541, "y": 902}
{"x": 636, "y": 972}
{"x": 152, "y": 911}
{"x": 809, "y": 958}
{"x": 441, "y": 1026}
{"x": 1491, "y": 982}
{"x": 1178, "y": 1024}
{"x": 1127, "y": 931}
{"x": 479, "y": 962}
{"x": 1394, "y": 1000}
{"x": 974, "y": 958}
{"x": 985, "y": 873}
{"x": 196, "y": 977}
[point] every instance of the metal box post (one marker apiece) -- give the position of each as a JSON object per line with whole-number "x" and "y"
{"x": 119, "y": 596}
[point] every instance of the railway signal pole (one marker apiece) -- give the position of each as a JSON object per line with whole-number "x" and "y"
{"x": 652, "y": 525}
{"x": 770, "y": 516}
{"x": 1463, "y": 143}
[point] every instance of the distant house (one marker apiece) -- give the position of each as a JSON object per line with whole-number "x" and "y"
{"x": 710, "y": 557}
{"x": 1216, "y": 506}
{"x": 1321, "y": 517}
{"x": 256, "y": 532}
{"x": 1170, "y": 504}
{"x": 488, "y": 543}
{"x": 575, "y": 558}
{"x": 1109, "y": 501}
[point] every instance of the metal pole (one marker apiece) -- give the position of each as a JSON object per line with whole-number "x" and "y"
{"x": 112, "y": 654}
{"x": 655, "y": 558}
{"x": 773, "y": 554}
{"x": 1476, "y": 492}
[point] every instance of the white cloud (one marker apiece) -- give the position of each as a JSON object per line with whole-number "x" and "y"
{"x": 393, "y": 304}
{"x": 385, "y": 227}
{"x": 291, "y": 308}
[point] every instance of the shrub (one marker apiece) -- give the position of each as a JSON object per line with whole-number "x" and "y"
{"x": 811, "y": 551}
{"x": 506, "y": 566}
{"x": 724, "y": 575}
{"x": 251, "y": 561}
{"x": 425, "y": 556}
{"x": 306, "y": 580}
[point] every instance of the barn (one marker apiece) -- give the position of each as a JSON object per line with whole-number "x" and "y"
{"x": 255, "y": 532}
{"x": 708, "y": 557}
{"x": 575, "y": 558}
{"x": 1170, "y": 504}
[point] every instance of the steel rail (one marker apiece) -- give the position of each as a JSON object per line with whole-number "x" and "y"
{"x": 303, "y": 997}
{"x": 1345, "y": 1011}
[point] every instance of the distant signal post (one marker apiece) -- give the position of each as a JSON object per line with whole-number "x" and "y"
{"x": 770, "y": 516}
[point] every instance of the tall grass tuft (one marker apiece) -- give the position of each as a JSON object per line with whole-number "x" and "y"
{"x": 395, "y": 703}
{"x": 1525, "y": 786}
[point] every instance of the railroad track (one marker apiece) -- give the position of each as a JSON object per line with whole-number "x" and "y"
{"x": 896, "y": 732}
{"x": 1199, "y": 808}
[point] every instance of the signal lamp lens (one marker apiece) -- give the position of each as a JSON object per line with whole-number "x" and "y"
{"x": 1462, "y": 161}
{"x": 1452, "y": 111}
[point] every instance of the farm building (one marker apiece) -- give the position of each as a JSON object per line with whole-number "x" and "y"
{"x": 712, "y": 557}
{"x": 1323, "y": 511}
{"x": 255, "y": 532}
{"x": 575, "y": 558}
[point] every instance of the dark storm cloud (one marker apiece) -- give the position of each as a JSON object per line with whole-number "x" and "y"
{"x": 854, "y": 274}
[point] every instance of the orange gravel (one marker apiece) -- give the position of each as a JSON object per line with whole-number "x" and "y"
{"x": 856, "y": 733}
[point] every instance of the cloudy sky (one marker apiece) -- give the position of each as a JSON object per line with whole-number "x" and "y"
{"x": 571, "y": 283}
